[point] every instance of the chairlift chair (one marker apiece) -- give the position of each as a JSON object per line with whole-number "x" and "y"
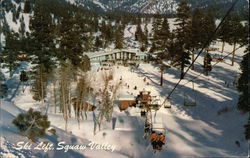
{"x": 188, "y": 101}
{"x": 167, "y": 103}
{"x": 143, "y": 113}
{"x": 158, "y": 128}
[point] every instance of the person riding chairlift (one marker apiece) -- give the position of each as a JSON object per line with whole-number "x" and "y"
{"x": 153, "y": 139}
{"x": 157, "y": 140}
{"x": 161, "y": 141}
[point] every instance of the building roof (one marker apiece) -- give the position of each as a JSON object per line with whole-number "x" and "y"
{"x": 126, "y": 97}
{"x": 112, "y": 51}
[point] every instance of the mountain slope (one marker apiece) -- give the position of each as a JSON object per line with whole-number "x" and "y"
{"x": 155, "y": 6}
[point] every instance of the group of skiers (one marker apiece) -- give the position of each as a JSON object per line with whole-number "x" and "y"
{"x": 157, "y": 140}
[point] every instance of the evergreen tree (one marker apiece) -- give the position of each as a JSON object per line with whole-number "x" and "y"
{"x": 98, "y": 43}
{"x": 138, "y": 33}
{"x": 14, "y": 16}
{"x": 27, "y": 7}
{"x": 183, "y": 24}
{"x": 183, "y": 36}
{"x": 119, "y": 38}
{"x": 145, "y": 38}
{"x": 223, "y": 33}
{"x": 42, "y": 44}
{"x": 235, "y": 33}
{"x": 32, "y": 124}
{"x": 22, "y": 30}
{"x": 107, "y": 33}
{"x": 71, "y": 45}
{"x": 196, "y": 32}
{"x": 39, "y": 88}
{"x": 41, "y": 47}
{"x": 243, "y": 83}
{"x": 181, "y": 59}
{"x": 12, "y": 47}
{"x": 18, "y": 12}
{"x": 244, "y": 80}
{"x": 157, "y": 27}
{"x": 164, "y": 35}
{"x": 208, "y": 27}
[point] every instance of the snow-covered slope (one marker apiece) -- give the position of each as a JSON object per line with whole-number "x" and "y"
{"x": 151, "y": 6}
{"x": 202, "y": 131}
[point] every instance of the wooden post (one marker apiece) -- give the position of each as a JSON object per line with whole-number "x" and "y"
{"x": 161, "y": 76}
{"x": 222, "y": 49}
{"x": 193, "y": 59}
{"x": 233, "y": 54}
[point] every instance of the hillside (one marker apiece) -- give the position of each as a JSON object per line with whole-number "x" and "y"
{"x": 105, "y": 80}
{"x": 198, "y": 131}
{"x": 154, "y": 6}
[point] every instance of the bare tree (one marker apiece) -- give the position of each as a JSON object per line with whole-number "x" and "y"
{"x": 66, "y": 76}
{"x": 108, "y": 94}
{"x": 82, "y": 94}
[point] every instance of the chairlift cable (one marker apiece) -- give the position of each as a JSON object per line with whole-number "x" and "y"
{"x": 204, "y": 46}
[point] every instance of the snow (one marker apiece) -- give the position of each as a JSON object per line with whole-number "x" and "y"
{"x": 14, "y": 26}
{"x": 100, "y": 4}
{"x": 190, "y": 132}
{"x": 197, "y": 131}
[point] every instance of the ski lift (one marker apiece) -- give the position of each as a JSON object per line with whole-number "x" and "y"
{"x": 143, "y": 113}
{"x": 167, "y": 103}
{"x": 188, "y": 101}
{"x": 159, "y": 131}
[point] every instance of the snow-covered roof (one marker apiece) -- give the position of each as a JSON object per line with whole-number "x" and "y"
{"x": 112, "y": 51}
{"x": 126, "y": 97}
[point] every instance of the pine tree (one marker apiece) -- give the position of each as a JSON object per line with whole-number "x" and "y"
{"x": 235, "y": 33}
{"x": 98, "y": 43}
{"x": 208, "y": 27}
{"x": 41, "y": 47}
{"x": 71, "y": 45}
{"x": 243, "y": 83}
{"x": 11, "y": 49}
{"x": 32, "y": 124}
{"x": 27, "y": 7}
{"x": 196, "y": 32}
{"x": 223, "y": 33}
{"x": 107, "y": 33}
{"x": 39, "y": 88}
{"x": 119, "y": 38}
{"x": 42, "y": 44}
{"x": 157, "y": 27}
{"x": 183, "y": 36}
{"x": 138, "y": 33}
{"x": 22, "y": 30}
{"x": 145, "y": 38}
{"x": 164, "y": 35}
{"x": 183, "y": 24}
{"x": 18, "y": 12}
{"x": 244, "y": 80}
